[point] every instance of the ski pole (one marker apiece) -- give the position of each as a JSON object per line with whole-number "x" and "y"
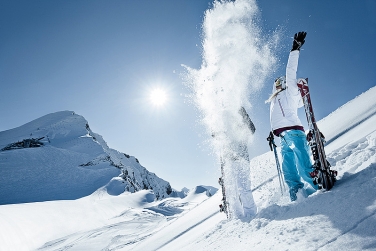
{"x": 273, "y": 147}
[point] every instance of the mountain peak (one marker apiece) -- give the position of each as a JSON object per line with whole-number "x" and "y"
{"x": 65, "y": 160}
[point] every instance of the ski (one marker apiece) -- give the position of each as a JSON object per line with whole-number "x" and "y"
{"x": 224, "y": 206}
{"x": 322, "y": 175}
{"x": 273, "y": 147}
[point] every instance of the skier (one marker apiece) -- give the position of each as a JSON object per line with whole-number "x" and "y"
{"x": 235, "y": 166}
{"x": 285, "y": 123}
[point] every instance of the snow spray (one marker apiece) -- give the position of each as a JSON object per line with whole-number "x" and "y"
{"x": 236, "y": 61}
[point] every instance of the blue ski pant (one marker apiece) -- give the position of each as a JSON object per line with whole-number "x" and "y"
{"x": 296, "y": 162}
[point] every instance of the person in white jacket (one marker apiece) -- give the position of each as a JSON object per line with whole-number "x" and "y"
{"x": 285, "y": 123}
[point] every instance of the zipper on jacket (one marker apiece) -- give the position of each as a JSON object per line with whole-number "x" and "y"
{"x": 280, "y": 106}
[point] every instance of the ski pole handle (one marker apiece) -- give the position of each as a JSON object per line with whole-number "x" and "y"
{"x": 271, "y": 141}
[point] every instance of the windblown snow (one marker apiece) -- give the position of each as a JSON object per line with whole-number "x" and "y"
{"x": 110, "y": 218}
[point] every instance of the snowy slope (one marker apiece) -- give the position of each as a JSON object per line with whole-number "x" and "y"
{"x": 73, "y": 162}
{"x": 355, "y": 119}
{"x": 95, "y": 222}
{"x": 343, "y": 218}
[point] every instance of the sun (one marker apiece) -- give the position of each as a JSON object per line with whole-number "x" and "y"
{"x": 158, "y": 97}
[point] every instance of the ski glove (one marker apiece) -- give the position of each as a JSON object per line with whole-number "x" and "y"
{"x": 298, "y": 40}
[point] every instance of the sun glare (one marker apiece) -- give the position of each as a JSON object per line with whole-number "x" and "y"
{"x": 158, "y": 97}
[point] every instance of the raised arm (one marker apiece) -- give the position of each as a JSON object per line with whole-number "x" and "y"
{"x": 292, "y": 63}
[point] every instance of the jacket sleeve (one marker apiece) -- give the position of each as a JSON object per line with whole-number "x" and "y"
{"x": 291, "y": 69}
{"x": 291, "y": 81}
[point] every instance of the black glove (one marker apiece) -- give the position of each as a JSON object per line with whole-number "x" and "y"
{"x": 298, "y": 40}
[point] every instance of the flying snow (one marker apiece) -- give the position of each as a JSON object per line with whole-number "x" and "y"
{"x": 236, "y": 61}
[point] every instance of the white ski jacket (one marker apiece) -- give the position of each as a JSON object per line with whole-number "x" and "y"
{"x": 284, "y": 106}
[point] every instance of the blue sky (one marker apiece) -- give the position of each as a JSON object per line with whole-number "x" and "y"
{"x": 101, "y": 59}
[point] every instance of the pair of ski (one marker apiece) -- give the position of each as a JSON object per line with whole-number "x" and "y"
{"x": 322, "y": 175}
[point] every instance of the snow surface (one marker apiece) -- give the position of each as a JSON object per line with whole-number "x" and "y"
{"x": 342, "y": 218}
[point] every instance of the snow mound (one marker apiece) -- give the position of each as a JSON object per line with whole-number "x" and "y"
{"x": 208, "y": 190}
{"x": 115, "y": 187}
{"x": 171, "y": 207}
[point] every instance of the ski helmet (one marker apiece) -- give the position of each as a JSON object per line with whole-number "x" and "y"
{"x": 281, "y": 81}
